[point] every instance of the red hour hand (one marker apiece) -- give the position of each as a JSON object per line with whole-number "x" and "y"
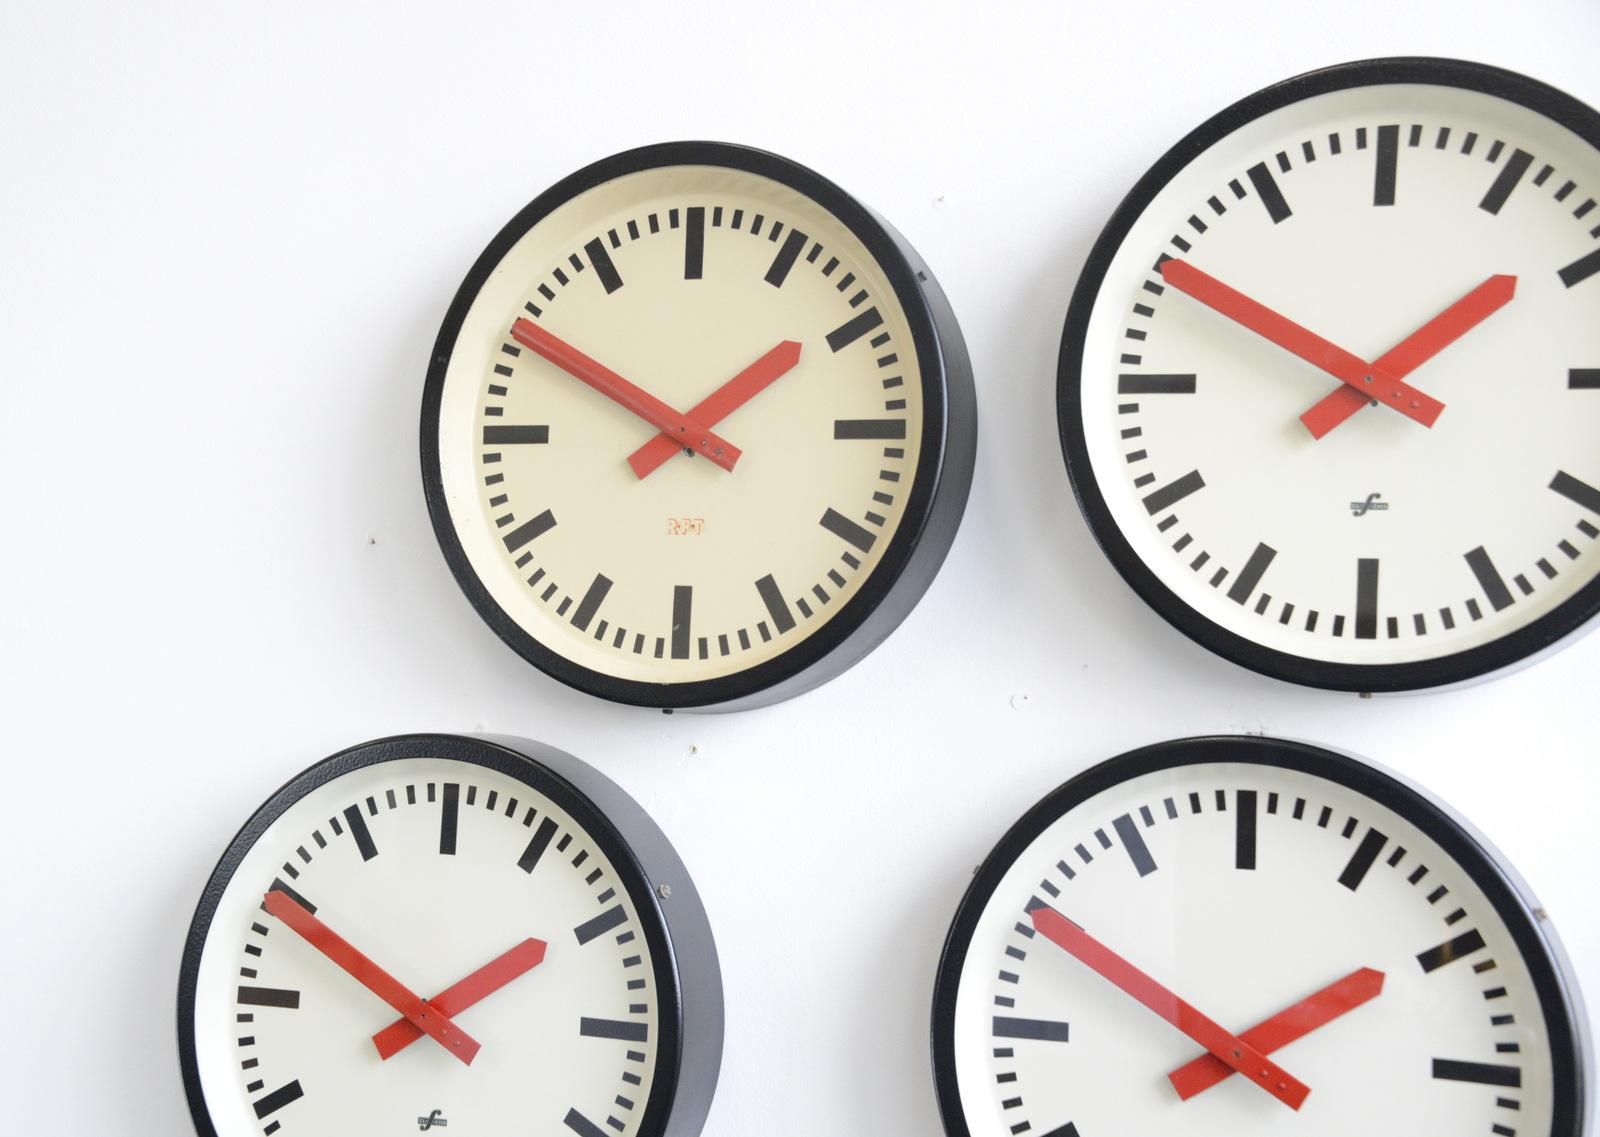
{"x": 1234, "y": 1052}
{"x": 1372, "y": 381}
{"x": 719, "y": 404}
{"x": 476, "y": 987}
{"x": 1283, "y": 1028}
{"x": 688, "y": 432}
{"x": 429, "y": 1021}
{"x": 1416, "y": 349}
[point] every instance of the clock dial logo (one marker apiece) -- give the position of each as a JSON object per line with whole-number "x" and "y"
{"x": 1250, "y": 936}
{"x": 1321, "y": 389}
{"x": 694, "y": 417}
{"x": 441, "y": 931}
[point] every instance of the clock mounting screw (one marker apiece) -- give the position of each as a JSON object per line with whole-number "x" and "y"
{"x": 664, "y": 891}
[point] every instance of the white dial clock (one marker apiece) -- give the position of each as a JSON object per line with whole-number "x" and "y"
{"x": 437, "y": 930}
{"x": 698, "y": 429}
{"x": 1237, "y": 936}
{"x": 1329, "y": 391}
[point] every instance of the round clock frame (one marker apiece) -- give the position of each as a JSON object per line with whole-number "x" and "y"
{"x": 687, "y": 978}
{"x": 938, "y": 493}
{"x": 1542, "y": 636}
{"x": 1510, "y": 897}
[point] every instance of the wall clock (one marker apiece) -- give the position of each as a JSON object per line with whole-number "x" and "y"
{"x": 437, "y": 930}
{"x": 1328, "y": 389}
{"x": 1384, "y": 969}
{"x": 698, "y": 429}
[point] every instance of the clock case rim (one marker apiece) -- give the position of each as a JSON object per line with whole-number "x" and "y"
{"x": 683, "y": 950}
{"x": 1554, "y": 978}
{"x": 938, "y": 493}
{"x": 1522, "y": 646}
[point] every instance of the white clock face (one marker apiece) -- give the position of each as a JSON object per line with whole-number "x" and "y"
{"x": 665, "y": 567}
{"x": 1360, "y": 215}
{"x": 433, "y": 869}
{"x": 1246, "y": 889}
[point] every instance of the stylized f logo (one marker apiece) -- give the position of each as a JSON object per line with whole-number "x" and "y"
{"x": 426, "y": 1123}
{"x": 1374, "y": 502}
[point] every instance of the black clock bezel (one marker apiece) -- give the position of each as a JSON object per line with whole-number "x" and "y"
{"x": 1557, "y": 988}
{"x": 1523, "y": 644}
{"x": 938, "y": 491}
{"x": 683, "y": 956}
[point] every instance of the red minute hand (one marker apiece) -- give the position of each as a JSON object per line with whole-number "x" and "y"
{"x": 720, "y": 404}
{"x": 689, "y": 433}
{"x": 1416, "y": 349}
{"x": 482, "y": 983}
{"x": 431, "y": 1022}
{"x": 1283, "y": 1028}
{"x": 1372, "y": 381}
{"x": 1234, "y": 1052}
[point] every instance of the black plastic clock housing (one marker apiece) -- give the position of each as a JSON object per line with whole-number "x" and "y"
{"x": 687, "y": 979}
{"x": 937, "y": 496}
{"x": 1522, "y": 645}
{"x": 1510, "y": 897}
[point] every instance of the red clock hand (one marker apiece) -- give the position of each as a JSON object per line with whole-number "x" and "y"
{"x": 482, "y": 983}
{"x": 434, "y": 1024}
{"x": 1416, "y": 349}
{"x": 1371, "y": 380}
{"x": 1283, "y": 1028}
{"x": 1234, "y": 1052}
{"x": 719, "y": 404}
{"x": 689, "y": 433}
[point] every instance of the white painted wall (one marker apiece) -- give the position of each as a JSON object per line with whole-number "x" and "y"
{"x": 228, "y": 234}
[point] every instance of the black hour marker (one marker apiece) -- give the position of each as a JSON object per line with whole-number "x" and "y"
{"x": 869, "y": 428}
{"x": 1450, "y": 951}
{"x": 1269, "y": 193}
{"x": 694, "y": 242}
{"x": 845, "y": 529}
{"x": 582, "y": 1126}
{"x": 777, "y": 607}
{"x": 537, "y": 845}
{"x": 1483, "y": 1073}
{"x": 449, "y": 809}
{"x": 601, "y": 924}
{"x": 1581, "y": 269}
{"x": 1244, "y": 830}
{"x": 682, "y": 609}
{"x": 1366, "y": 853}
{"x": 1039, "y": 1030}
{"x": 603, "y": 268}
{"x": 590, "y": 604}
{"x": 784, "y": 261}
{"x": 1367, "y": 599}
{"x": 1173, "y": 492}
{"x": 1067, "y": 1130}
{"x": 1245, "y": 583}
{"x": 611, "y": 1028}
{"x": 528, "y": 530}
{"x": 853, "y": 329}
{"x": 1155, "y": 384}
{"x": 1489, "y": 578}
{"x": 1384, "y": 173}
{"x": 269, "y": 997}
{"x": 277, "y": 1099}
{"x": 1137, "y": 850}
{"x": 516, "y": 435}
{"x": 359, "y": 830}
{"x": 1576, "y": 490}
{"x": 279, "y": 886}
{"x": 1510, "y": 174}
{"x": 1584, "y": 379}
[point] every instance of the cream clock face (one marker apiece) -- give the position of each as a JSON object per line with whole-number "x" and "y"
{"x": 1328, "y": 390}
{"x": 1369, "y": 950}
{"x": 686, "y": 424}
{"x": 434, "y": 885}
